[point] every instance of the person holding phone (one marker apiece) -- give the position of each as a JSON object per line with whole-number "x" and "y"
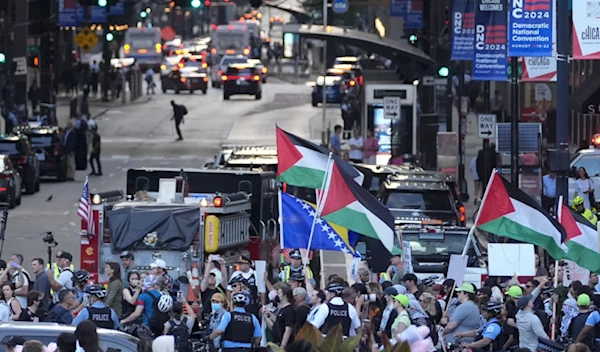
{"x": 212, "y": 282}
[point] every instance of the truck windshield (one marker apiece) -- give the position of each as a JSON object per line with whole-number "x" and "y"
{"x": 419, "y": 200}
{"x": 450, "y": 244}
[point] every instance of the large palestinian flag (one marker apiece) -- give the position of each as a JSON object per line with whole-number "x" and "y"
{"x": 582, "y": 239}
{"x": 509, "y": 212}
{"x": 303, "y": 164}
{"x": 351, "y": 206}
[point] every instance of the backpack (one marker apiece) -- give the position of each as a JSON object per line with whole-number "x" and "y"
{"x": 53, "y": 316}
{"x": 157, "y": 321}
{"x": 183, "y": 110}
{"x": 182, "y": 335}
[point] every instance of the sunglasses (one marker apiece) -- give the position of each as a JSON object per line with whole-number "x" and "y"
{"x": 215, "y": 301}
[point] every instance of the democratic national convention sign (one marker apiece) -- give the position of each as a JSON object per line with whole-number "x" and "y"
{"x": 489, "y": 59}
{"x": 463, "y": 29}
{"x": 531, "y": 28}
{"x": 541, "y": 69}
{"x": 586, "y": 29}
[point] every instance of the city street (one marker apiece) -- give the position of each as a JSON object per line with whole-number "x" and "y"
{"x": 142, "y": 135}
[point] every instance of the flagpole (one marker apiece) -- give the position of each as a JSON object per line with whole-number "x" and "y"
{"x": 280, "y": 220}
{"x": 554, "y": 304}
{"x": 472, "y": 229}
{"x": 320, "y": 200}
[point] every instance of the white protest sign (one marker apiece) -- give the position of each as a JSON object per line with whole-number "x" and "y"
{"x": 574, "y": 272}
{"x": 508, "y": 259}
{"x": 457, "y": 268}
{"x": 407, "y": 257}
{"x": 261, "y": 268}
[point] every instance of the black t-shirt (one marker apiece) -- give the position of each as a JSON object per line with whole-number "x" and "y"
{"x": 27, "y": 315}
{"x": 507, "y": 330}
{"x": 286, "y": 317}
{"x": 205, "y": 296}
{"x": 301, "y": 315}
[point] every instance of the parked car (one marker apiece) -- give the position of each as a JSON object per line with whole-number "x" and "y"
{"x": 10, "y": 183}
{"x": 47, "y": 142}
{"x": 21, "y": 154}
{"x": 46, "y": 333}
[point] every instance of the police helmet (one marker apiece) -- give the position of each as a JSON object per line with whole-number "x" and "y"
{"x": 81, "y": 276}
{"x": 493, "y": 307}
{"x": 297, "y": 276}
{"x": 335, "y": 288}
{"x": 96, "y": 290}
{"x": 578, "y": 200}
{"x": 239, "y": 298}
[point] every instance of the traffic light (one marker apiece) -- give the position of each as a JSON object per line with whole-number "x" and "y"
{"x": 34, "y": 61}
{"x": 256, "y": 3}
{"x": 206, "y": 3}
{"x": 413, "y": 39}
{"x": 110, "y": 37}
{"x": 443, "y": 71}
{"x": 102, "y": 3}
{"x": 2, "y": 58}
{"x": 196, "y": 3}
{"x": 143, "y": 14}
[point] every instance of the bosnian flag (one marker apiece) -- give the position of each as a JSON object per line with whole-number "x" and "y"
{"x": 509, "y": 212}
{"x": 302, "y": 163}
{"x": 582, "y": 239}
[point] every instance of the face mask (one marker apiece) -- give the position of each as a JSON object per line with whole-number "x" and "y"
{"x": 215, "y": 307}
{"x": 276, "y": 300}
{"x": 272, "y": 295}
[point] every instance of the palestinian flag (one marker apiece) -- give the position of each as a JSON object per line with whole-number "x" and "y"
{"x": 349, "y": 205}
{"x": 303, "y": 164}
{"x": 509, "y": 212}
{"x": 582, "y": 239}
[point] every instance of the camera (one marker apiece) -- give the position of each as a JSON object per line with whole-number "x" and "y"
{"x": 49, "y": 238}
{"x": 370, "y": 298}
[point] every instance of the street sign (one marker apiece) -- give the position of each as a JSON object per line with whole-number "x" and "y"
{"x": 340, "y": 6}
{"x": 86, "y": 40}
{"x": 486, "y": 126}
{"x": 391, "y": 108}
{"x": 21, "y": 65}
{"x": 428, "y": 81}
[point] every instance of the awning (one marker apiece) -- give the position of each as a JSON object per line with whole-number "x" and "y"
{"x": 585, "y": 99}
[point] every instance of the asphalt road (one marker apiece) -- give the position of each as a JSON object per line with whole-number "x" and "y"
{"x": 142, "y": 135}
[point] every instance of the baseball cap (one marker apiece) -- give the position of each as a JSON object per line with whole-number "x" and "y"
{"x": 466, "y": 287}
{"x": 66, "y": 255}
{"x": 159, "y": 263}
{"x": 296, "y": 276}
{"x": 523, "y": 301}
{"x": 583, "y": 300}
{"x": 514, "y": 292}
{"x": 295, "y": 254}
{"x": 390, "y": 291}
{"x": 244, "y": 260}
{"x": 300, "y": 291}
{"x": 411, "y": 277}
{"x": 126, "y": 254}
{"x": 16, "y": 340}
{"x": 491, "y": 305}
{"x": 402, "y": 299}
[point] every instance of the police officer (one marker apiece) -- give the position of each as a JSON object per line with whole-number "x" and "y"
{"x": 239, "y": 328}
{"x": 579, "y": 322}
{"x": 81, "y": 280}
{"x": 591, "y": 330}
{"x": 578, "y": 204}
{"x": 296, "y": 280}
{"x": 249, "y": 275}
{"x": 295, "y": 267}
{"x": 99, "y": 313}
{"x": 336, "y": 312}
{"x": 488, "y": 336}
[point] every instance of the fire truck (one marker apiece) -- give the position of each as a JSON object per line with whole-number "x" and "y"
{"x": 171, "y": 223}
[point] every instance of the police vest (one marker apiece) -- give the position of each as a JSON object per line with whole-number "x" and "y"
{"x": 288, "y": 270}
{"x": 101, "y": 317}
{"x": 577, "y": 325}
{"x": 495, "y": 345}
{"x": 337, "y": 315}
{"x": 56, "y": 271}
{"x": 240, "y": 328}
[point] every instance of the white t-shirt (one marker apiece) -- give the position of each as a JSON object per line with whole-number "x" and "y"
{"x": 15, "y": 278}
{"x": 65, "y": 279}
{"x": 356, "y": 153}
{"x": 5, "y": 312}
{"x": 584, "y": 186}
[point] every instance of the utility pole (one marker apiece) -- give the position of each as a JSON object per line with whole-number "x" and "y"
{"x": 324, "y": 90}
{"x": 20, "y": 34}
{"x": 47, "y": 49}
{"x": 514, "y": 121}
{"x": 562, "y": 92}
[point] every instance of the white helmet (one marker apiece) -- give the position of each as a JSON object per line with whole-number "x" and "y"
{"x": 165, "y": 303}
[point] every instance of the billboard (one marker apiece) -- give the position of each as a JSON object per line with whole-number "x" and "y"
{"x": 463, "y": 29}
{"x": 531, "y": 28}
{"x": 490, "y": 56}
{"x": 541, "y": 69}
{"x": 586, "y": 32}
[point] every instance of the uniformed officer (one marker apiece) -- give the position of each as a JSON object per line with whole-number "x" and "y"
{"x": 250, "y": 281}
{"x": 336, "y": 312}
{"x": 239, "y": 329}
{"x": 99, "y": 313}
{"x": 295, "y": 267}
{"x": 296, "y": 280}
{"x": 488, "y": 336}
{"x": 591, "y": 330}
{"x": 579, "y": 205}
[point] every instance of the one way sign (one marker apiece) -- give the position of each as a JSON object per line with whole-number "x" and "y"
{"x": 487, "y": 126}
{"x": 391, "y": 108}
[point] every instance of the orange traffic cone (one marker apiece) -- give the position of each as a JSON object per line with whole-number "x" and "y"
{"x": 195, "y": 275}
{"x": 191, "y": 295}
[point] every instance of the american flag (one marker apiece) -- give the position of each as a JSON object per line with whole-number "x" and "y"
{"x": 85, "y": 209}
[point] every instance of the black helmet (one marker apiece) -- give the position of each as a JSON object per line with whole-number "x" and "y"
{"x": 96, "y": 290}
{"x": 81, "y": 276}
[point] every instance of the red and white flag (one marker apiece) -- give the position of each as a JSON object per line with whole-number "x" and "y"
{"x": 85, "y": 210}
